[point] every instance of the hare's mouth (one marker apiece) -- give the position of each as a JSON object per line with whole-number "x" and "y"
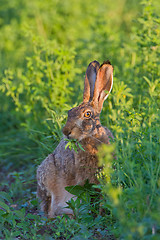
{"x": 69, "y": 136}
{"x": 75, "y": 133}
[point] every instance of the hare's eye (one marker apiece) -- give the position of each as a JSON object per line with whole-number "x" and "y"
{"x": 87, "y": 114}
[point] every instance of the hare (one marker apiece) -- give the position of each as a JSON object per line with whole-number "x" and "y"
{"x": 65, "y": 167}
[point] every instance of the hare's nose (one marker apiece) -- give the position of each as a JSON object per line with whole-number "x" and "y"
{"x": 66, "y": 131}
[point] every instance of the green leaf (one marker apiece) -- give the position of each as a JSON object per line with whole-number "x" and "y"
{"x": 80, "y": 146}
{"x": 6, "y": 197}
{"x": 4, "y": 206}
{"x": 75, "y": 190}
{"x": 20, "y": 213}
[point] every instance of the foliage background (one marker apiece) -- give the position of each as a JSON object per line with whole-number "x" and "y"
{"x": 45, "y": 48}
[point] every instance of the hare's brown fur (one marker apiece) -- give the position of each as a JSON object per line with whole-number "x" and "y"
{"x": 65, "y": 167}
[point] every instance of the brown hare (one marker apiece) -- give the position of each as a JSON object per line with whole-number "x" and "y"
{"x": 65, "y": 167}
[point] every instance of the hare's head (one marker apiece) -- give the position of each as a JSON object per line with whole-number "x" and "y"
{"x": 84, "y": 119}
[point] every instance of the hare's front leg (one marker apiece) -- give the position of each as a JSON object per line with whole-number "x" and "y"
{"x": 59, "y": 197}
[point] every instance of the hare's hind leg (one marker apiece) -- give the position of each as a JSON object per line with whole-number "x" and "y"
{"x": 45, "y": 200}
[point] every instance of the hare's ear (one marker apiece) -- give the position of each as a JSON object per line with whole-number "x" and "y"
{"x": 103, "y": 85}
{"x": 89, "y": 82}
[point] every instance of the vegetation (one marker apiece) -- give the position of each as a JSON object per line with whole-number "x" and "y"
{"x": 45, "y": 48}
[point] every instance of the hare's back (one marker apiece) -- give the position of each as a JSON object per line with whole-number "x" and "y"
{"x": 59, "y": 163}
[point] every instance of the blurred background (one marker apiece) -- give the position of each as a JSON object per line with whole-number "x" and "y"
{"x": 45, "y": 49}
